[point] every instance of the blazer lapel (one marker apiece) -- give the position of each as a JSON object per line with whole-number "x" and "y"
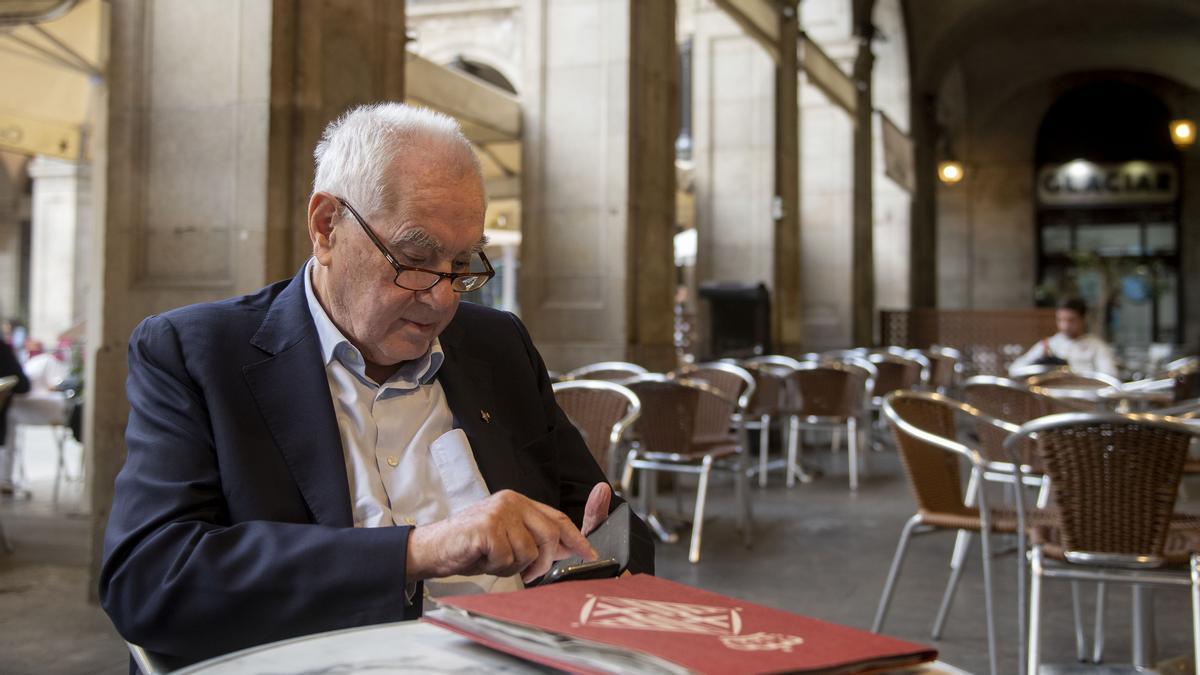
{"x": 467, "y": 382}
{"x": 292, "y": 393}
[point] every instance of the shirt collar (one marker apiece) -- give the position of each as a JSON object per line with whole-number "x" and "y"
{"x": 335, "y": 346}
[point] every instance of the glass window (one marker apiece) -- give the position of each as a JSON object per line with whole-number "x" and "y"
{"x": 1056, "y": 239}
{"x": 1160, "y": 239}
{"x": 1109, "y": 240}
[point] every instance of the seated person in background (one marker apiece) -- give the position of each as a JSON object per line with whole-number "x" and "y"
{"x": 9, "y": 365}
{"x": 326, "y": 451}
{"x": 1081, "y": 351}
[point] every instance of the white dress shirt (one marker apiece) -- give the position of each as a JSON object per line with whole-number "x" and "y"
{"x": 1086, "y": 353}
{"x": 405, "y": 462}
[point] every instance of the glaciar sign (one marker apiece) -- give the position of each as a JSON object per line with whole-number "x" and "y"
{"x": 1082, "y": 183}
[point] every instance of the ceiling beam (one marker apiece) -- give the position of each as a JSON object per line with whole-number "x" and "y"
{"x": 759, "y": 18}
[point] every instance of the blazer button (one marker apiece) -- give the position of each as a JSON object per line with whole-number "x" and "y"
{"x": 393, "y": 461}
{"x": 410, "y": 520}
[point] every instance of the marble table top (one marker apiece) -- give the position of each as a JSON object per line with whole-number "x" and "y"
{"x": 406, "y": 647}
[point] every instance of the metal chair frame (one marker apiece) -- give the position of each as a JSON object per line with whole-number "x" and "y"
{"x": 1081, "y": 565}
{"x": 918, "y": 524}
{"x": 1046, "y": 380}
{"x": 583, "y": 372}
{"x": 852, "y": 423}
{"x": 772, "y": 366}
{"x": 617, "y": 434}
{"x": 699, "y": 463}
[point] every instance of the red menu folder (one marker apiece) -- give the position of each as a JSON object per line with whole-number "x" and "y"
{"x": 646, "y": 624}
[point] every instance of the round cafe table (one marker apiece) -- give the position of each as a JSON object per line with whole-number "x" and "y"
{"x": 405, "y": 647}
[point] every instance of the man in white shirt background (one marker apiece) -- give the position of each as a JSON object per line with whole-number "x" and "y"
{"x": 1081, "y": 350}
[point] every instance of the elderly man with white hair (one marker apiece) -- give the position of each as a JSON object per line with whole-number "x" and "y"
{"x": 326, "y": 452}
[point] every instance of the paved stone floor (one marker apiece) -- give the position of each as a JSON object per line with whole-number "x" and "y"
{"x": 818, "y": 550}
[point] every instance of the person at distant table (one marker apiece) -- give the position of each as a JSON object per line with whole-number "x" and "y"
{"x": 1081, "y": 351}
{"x": 9, "y": 365}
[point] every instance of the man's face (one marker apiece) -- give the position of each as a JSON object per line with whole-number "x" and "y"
{"x": 437, "y": 225}
{"x": 1069, "y": 323}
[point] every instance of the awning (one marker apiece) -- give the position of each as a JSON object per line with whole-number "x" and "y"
{"x": 490, "y": 117}
{"x": 47, "y": 74}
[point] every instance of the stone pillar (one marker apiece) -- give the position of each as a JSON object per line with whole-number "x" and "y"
{"x": 61, "y": 222}
{"x": 13, "y": 209}
{"x": 180, "y": 198}
{"x": 923, "y": 268}
{"x": 787, "y": 328}
{"x": 326, "y": 56}
{"x": 597, "y": 273}
{"x": 862, "y": 286}
{"x": 734, "y": 152}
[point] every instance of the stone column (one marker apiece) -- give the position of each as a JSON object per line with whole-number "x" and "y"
{"x": 180, "y": 178}
{"x": 862, "y": 287}
{"x": 923, "y": 268}
{"x": 787, "y": 328}
{"x": 14, "y": 207}
{"x": 61, "y": 222}
{"x": 597, "y": 273}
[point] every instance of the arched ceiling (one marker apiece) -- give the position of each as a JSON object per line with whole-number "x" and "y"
{"x": 1013, "y": 43}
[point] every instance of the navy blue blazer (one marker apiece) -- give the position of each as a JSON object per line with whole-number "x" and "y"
{"x": 231, "y": 522}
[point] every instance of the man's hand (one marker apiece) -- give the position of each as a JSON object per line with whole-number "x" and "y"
{"x": 502, "y": 535}
{"x": 596, "y": 510}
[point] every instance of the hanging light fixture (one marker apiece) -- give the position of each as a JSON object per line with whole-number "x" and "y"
{"x": 1183, "y": 133}
{"x": 950, "y": 171}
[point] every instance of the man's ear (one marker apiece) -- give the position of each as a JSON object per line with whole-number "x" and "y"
{"x": 323, "y": 213}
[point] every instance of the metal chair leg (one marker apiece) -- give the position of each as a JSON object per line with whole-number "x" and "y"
{"x": 764, "y": 448}
{"x": 1077, "y": 613}
{"x": 1195, "y": 567}
{"x": 1035, "y": 613}
{"x": 985, "y": 545}
{"x": 889, "y": 586}
{"x": 627, "y": 474}
{"x": 957, "y": 563}
{"x": 852, "y": 432}
{"x": 698, "y": 522}
{"x": 792, "y": 445}
{"x": 1098, "y": 637}
{"x": 747, "y": 510}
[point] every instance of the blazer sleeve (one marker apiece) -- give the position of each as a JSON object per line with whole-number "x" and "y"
{"x": 579, "y": 472}
{"x": 182, "y": 580}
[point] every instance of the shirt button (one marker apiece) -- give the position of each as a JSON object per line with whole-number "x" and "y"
{"x": 393, "y": 461}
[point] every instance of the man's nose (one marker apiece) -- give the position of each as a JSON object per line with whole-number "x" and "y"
{"x": 441, "y": 295}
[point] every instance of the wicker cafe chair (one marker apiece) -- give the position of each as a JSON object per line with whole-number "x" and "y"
{"x": 827, "y": 395}
{"x": 1114, "y": 479}
{"x": 602, "y": 411}
{"x": 765, "y": 409}
{"x": 945, "y": 367}
{"x": 606, "y": 370}
{"x": 926, "y": 431}
{"x": 672, "y": 435}
{"x": 1063, "y": 378}
{"x": 7, "y": 385}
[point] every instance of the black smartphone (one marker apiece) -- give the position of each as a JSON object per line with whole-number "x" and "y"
{"x": 566, "y": 570}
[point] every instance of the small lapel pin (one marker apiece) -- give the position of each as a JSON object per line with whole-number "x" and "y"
{"x": 485, "y": 416}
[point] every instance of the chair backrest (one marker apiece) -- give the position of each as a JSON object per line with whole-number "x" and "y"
{"x": 775, "y": 360}
{"x": 730, "y": 378}
{"x": 896, "y": 372}
{"x": 602, "y": 411}
{"x": 770, "y": 388}
{"x": 925, "y": 430}
{"x": 7, "y": 385}
{"x": 829, "y": 389}
{"x": 1114, "y": 479}
{"x": 1073, "y": 379}
{"x": 677, "y": 412}
{"x": 606, "y": 370}
{"x": 1012, "y": 402}
{"x": 945, "y": 365}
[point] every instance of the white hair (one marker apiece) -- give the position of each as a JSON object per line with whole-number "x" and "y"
{"x": 356, "y": 150}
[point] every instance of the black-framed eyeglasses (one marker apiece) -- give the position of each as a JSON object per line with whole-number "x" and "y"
{"x": 418, "y": 279}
